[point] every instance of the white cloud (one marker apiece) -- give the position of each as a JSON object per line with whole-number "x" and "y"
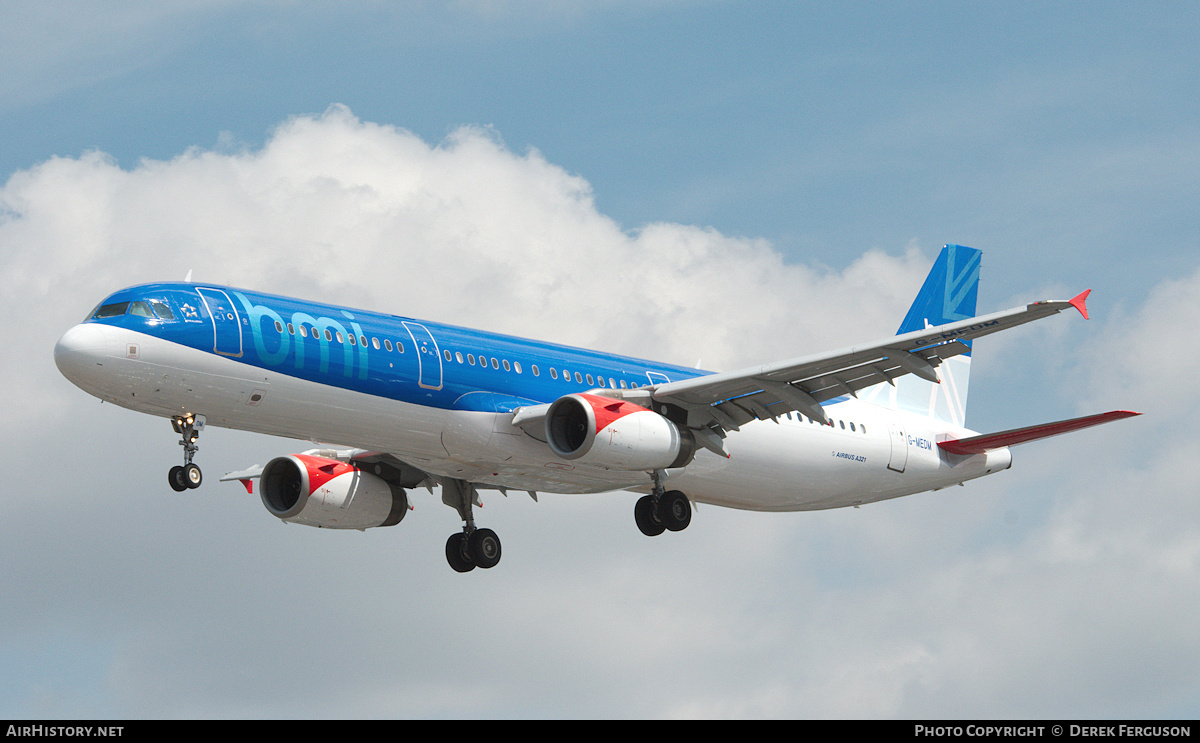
{"x": 203, "y": 605}
{"x": 466, "y": 231}
{"x": 1148, "y": 354}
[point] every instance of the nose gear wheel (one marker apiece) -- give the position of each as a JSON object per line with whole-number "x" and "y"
{"x": 186, "y": 476}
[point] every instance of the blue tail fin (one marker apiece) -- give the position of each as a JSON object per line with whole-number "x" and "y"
{"x": 949, "y": 291}
{"x": 948, "y": 294}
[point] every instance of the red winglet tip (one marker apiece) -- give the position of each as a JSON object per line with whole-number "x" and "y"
{"x": 1080, "y": 303}
{"x": 249, "y": 485}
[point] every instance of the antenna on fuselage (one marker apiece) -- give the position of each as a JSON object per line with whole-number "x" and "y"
{"x": 188, "y": 279}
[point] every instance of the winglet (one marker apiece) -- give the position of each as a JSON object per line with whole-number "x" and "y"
{"x": 1079, "y": 303}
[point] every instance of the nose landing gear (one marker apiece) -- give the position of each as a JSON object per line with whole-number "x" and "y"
{"x": 188, "y": 475}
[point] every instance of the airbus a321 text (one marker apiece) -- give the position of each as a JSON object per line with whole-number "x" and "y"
{"x": 402, "y": 403}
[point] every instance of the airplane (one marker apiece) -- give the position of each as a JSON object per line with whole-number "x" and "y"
{"x": 395, "y": 403}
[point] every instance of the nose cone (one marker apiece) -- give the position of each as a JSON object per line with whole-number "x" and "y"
{"x": 81, "y": 352}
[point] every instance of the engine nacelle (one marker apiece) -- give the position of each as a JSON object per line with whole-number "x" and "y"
{"x": 616, "y": 434}
{"x": 303, "y": 489}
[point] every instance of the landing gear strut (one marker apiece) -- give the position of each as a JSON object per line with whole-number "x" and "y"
{"x": 472, "y": 547}
{"x": 662, "y": 510}
{"x": 187, "y": 475}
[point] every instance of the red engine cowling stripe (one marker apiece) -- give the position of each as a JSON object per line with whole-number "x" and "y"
{"x": 607, "y": 410}
{"x": 322, "y": 470}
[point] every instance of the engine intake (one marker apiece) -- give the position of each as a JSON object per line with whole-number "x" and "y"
{"x": 315, "y": 491}
{"x": 615, "y": 434}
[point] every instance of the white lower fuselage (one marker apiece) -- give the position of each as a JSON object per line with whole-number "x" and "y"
{"x": 869, "y": 453}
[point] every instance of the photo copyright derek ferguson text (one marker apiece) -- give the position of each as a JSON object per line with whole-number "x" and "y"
{"x": 1053, "y": 731}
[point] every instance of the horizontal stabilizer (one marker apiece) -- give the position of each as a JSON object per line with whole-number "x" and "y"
{"x": 986, "y": 442}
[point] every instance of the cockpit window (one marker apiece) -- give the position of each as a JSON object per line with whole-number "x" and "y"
{"x": 153, "y": 309}
{"x": 110, "y": 310}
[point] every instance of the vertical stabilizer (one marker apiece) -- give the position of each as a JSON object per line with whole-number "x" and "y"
{"x": 948, "y": 294}
{"x": 949, "y": 291}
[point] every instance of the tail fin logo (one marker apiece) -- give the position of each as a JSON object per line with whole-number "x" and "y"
{"x": 961, "y": 284}
{"x": 949, "y": 292}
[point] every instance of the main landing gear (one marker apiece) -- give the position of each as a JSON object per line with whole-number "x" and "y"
{"x": 187, "y": 475}
{"x": 473, "y": 547}
{"x": 662, "y": 510}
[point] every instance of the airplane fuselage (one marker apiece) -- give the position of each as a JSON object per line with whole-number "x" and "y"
{"x": 442, "y": 398}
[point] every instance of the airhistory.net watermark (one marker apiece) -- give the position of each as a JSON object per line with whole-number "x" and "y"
{"x": 64, "y": 731}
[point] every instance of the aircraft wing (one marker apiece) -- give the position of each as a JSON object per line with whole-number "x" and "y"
{"x": 246, "y": 477}
{"x": 719, "y": 402}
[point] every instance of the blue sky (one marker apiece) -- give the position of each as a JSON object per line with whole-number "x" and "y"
{"x": 823, "y": 128}
{"x": 734, "y": 182}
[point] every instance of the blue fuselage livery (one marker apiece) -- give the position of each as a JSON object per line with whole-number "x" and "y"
{"x": 401, "y": 359}
{"x": 399, "y": 403}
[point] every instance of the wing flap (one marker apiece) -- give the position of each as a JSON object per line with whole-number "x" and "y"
{"x": 987, "y": 442}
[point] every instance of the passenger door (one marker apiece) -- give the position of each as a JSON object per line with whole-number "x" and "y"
{"x": 227, "y": 325}
{"x": 429, "y": 358}
{"x": 899, "y": 457}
